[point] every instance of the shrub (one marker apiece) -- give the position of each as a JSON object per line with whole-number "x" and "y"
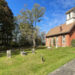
{"x": 54, "y": 41}
{"x": 73, "y": 42}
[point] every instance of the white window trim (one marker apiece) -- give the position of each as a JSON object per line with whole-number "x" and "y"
{"x": 56, "y": 40}
{"x": 63, "y": 39}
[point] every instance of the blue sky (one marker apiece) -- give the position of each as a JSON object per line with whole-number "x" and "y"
{"x": 54, "y": 14}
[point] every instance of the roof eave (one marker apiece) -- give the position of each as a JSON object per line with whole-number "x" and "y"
{"x": 70, "y": 10}
{"x": 58, "y": 34}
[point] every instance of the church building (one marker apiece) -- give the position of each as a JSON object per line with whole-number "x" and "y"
{"x": 61, "y": 36}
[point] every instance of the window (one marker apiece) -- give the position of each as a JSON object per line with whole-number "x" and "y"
{"x": 56, "y": 41}
{"x": 63, "y": 39}
{"x": 69, "y": 16}
{"x": 52, "y": 40}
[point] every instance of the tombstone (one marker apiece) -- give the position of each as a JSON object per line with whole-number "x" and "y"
{"x": 33, "y": 50}
{"x": 23, "y": 53}
{"x": 9, "y": 53}
{"x": 48, "y": 47}
{"x": 42, "y": 58}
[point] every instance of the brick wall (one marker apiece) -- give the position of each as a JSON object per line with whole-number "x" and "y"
{"x": 68, "y": 39}
{"x": 59, "y": 40}
{"x": 72, "y": 34}
{"x": 47, "y": 42}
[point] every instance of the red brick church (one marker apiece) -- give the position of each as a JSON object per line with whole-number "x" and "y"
{"x": 62, "y": 35}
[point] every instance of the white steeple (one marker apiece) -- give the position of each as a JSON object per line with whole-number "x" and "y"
{"x": 70, "y": 16}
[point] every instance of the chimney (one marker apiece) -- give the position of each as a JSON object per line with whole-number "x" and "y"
{"x": 60, "y": 28}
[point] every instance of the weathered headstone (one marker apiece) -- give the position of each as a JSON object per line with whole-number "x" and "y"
{"x": 42, "y": 58}
{"x": 9, "y": 53}
{"x": 23, "y": 53}
{"x": 49, "y": 47}
{"x": 33, "y": 50}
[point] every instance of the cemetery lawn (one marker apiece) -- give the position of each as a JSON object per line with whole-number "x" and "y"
{"x": 31, "y": 64}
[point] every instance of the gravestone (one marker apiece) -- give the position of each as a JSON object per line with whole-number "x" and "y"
{"x": 48, "y": 47}
{"x": 23, "y": 53}
{"x": 43, "y": 60}
{"x": 9, "y": 53}
{"x": 33, "y": 50}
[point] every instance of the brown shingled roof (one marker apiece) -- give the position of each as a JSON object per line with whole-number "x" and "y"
{"x": 70, "y": 10}
{"x": 62, "y": 29}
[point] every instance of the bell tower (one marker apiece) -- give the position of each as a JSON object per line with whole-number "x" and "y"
{"x": 70, "y": 16}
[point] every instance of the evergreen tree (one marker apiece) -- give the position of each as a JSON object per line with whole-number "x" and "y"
{"x": 6, "y": 23}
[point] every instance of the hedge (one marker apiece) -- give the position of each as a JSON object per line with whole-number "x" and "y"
{"x": 73, "y": 42}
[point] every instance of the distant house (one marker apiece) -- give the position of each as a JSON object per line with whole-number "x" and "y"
{"x": 62, "y": 35}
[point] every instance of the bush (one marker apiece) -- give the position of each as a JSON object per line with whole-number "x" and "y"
{"x": 54, "y": 41}
{"x": 73, "y": 42}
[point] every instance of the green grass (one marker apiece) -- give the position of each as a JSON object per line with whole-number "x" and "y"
{"x": 31, "y": 64}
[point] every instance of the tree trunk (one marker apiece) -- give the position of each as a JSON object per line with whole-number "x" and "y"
{"x": 34, "y": 45}
{"x": 34, "y": 42}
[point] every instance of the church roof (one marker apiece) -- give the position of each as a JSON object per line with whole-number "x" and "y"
{"x": 70, "y": 10}
{"x": 62, "y": 29}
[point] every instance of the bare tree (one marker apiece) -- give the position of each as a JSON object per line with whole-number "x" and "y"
{"x": 38, "y": 13}
{"x": 28, "y": 22}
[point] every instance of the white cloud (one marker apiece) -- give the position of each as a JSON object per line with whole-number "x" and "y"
{"x": 56, "y": 13}
{"x": 49, "y": 23}
{"x": 66, "y": 3}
